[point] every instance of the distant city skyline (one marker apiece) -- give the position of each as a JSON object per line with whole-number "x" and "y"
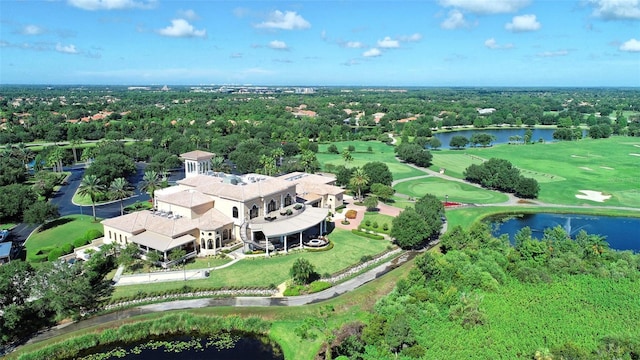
{"x": 321, "y": 43}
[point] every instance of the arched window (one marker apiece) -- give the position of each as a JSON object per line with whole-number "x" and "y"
{"x": 287, "y": 200}
{"x": 253, "y": 213}
{"x": 235, "y": 212}
{"x": 209, "y": 244}
{"x": 202, "y": 244}
{"x": 271, "y": 206}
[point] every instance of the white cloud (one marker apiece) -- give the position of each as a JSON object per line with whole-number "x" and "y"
{"x": 66, "y": 49}
{"x": 491, "y": 43}
{"x": 486, "y": 6}
{"x": 181, "y": 28}
{"x": 616, "y": 9}
{"x": 278, "y": 45}
{"x": 112, "y": 4}
{"x": 289, "y": 20}
{"x": 388, "y": 43}
{"x": 354, "y": 45}
{"x": 374, "y": 52}
{"x": 455, "y": 20}
{"x": 631, "y": 45}
{"x": 523, "y": 23}
{"x": 32, "y": 30}
{"x": 410, "y": 38}
{"x": 553, "y": 53}
{"x": 188, "y": 14}
{"x": 236, "y": 55}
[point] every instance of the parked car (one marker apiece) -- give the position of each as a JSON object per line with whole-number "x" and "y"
{"x": 4, "y": 235}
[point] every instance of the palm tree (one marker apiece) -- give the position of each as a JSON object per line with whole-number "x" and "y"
{"x": 150, "y": 183}
{"x": 74, "y": 146}
{"x": 358, "y": 180}
{"x": 90, "y": 186}
{"x": 120, "y": 189}
{"x": 55, "y": 159}
{"x": 217, "y": 163}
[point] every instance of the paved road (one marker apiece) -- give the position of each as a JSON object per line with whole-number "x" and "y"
{"x": 63, "y": 199}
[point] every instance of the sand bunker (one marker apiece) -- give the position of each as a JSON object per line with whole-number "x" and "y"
{"x": 596, "y": 196}
{"x": 633, "y": 154}
{"x": 636, "y": 145}
{"x": 585, "y": 168}
{"x": 606, "y": 167}
{"x": 577, "y": 156}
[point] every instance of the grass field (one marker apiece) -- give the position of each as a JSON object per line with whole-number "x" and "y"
{"x": 456, "y": 191}
{"x": 347, "y": 251}
{"x": 381, "y": 219}
{"x": 380, "y": 152}
{"x": 525, "y": 317}
{"x": 59, "y": 232}
{"x": 611, "y": 166}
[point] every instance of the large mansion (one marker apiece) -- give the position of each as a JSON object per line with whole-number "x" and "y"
{"x": 208, "y": 210}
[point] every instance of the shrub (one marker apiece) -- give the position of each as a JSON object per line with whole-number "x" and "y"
{"x": 351, "y": 148}
{"x": 367, "y": 235}
{"x": 339, "y": 208}
{"x": 67, "y": 248}
{"x": 54, "y": 254}
{"x": 80, "y": 242}
{"x": 375, "y": 225}
{"x": 367, "y": 222}
{"x": 366, "y": 258}
{"x": 351, "y": 214}
{"x": 297, "y": 206}
{"x": 318, "y": 285}
{"x": 92, "y": 234}
{"x": 385, "y": 226}
{"x": 345, "y": 222}
{"x": 293, "y": 290}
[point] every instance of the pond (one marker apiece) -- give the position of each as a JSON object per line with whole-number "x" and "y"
{"x": 502, "y": 135}
{"x": 226, "y": 347}
{"x": 622, "y": 233}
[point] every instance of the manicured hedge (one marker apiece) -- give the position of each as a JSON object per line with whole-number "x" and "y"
{"x": 367, "y": 235}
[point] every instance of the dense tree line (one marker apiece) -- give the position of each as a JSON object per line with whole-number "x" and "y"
{"x": 446, "y": 292}
{"x": 32, "y": 298}
{"x": 415, "y": 226}
{"x": 500, "y": 174}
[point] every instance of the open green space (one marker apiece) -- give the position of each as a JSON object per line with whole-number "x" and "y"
{"x": 456, "y": 191}
{"x": 380, "y": 219}
{"x": 59, "y": 232}
{"x": 352, "y": 306}
{"x": 7, "y": 226}
{"x": 610, "y": 166}
{"x": 379, "y": 152}
{"x": 261, "y": 271}
{"x": 524, "y": 318}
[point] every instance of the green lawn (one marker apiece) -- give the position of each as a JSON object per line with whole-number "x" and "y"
{"x": 456, "y": 191}
{"x": 6, "y": 226}
{"x": 59, "y": 232}
{"x": 453, "y": 161}
{"x": 611, "y": 166}
{"x": 380, "y": 152}
{"x": 381, "y": 219}
{"x": 260, "y": 271}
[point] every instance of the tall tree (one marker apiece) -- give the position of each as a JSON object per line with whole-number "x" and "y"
{"x": 120, "y": 189}
{"x": 91, "y": 186}
{"x": 358, "y": 181}
{"x": 150, "y": 183}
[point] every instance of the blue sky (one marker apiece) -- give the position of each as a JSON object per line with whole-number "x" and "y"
{"x": 342, "y": 43}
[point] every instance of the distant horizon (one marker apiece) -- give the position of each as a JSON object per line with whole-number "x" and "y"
{"x": 381, "y": 43}
{"x": 170, "y": 86}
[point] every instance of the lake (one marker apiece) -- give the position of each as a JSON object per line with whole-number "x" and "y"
{"x": 193, "y": 348}
{"x": 622, "y": 233}
{"x": 502, "y": 135}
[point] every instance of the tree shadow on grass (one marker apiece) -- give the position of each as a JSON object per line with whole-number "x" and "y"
{"x": 55, "y": 223}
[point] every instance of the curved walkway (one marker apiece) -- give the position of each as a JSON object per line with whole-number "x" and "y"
{"x": 327, "y": 294}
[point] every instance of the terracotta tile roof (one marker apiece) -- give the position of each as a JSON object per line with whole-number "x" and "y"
{"x": 197, "y": 155}
{"x": 186, "y": 198}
